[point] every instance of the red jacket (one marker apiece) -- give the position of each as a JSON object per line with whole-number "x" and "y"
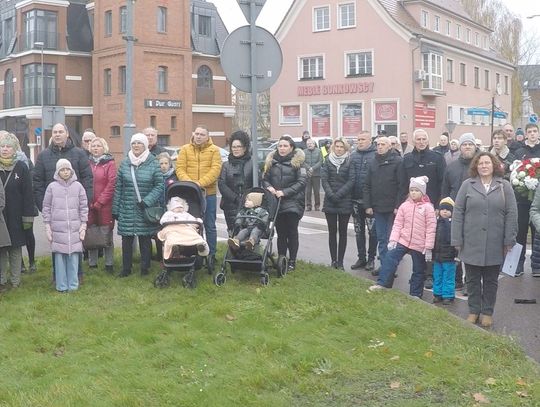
{"x": 415, "y": 225}
{"x": 100, "y": 209}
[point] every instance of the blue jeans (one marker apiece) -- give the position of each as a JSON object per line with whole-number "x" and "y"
{"x": 66, "y": 267}
{"x": 384, "y": 227}
{"x": 210, "y": 223}
{"x": 390, "y": 264}
{"x": 444, "y": 279}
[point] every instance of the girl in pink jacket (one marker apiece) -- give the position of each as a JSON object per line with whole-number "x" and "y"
{"x": 414, "y": 233}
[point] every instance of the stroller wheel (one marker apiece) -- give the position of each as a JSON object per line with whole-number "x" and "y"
{"x": 265, "y": 278}
{"x": 219, "y": 279}
{"x": 188, "y": 281}
{"x": 282, "y": 266}
{"x": 162, "y": 280}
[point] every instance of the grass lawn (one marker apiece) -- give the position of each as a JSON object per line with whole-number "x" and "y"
{"x": 314, "y": 338}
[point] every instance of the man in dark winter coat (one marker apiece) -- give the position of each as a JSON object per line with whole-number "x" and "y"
{"x": 360, "y": 160}
{"x": 513, "y": 144}
{"x": 381, "y": 191}
{"x": 423, "y": 161}
{"x": 531, "y": 149}
{"x": 443, "y": 147}
{"x": 61, "y": 147}
{"x": 152, "y": 136}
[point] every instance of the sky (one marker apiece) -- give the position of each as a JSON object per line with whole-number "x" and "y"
{"x": 274, "y": 11}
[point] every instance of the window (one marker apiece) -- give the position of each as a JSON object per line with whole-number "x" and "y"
{"x": 462, "y": 115}
{"x": 450, "y": 70}
{"x": 506, "y": 84}
{"x": 485, "y": 42}
{"x": 424, "y": 19}
{"x": 290, "y": 115}
{"x": 122, "y": 79}
{"x": 40, "y": 26}
{"x": 163, "y": 140}
{"x": 153, "y": 121}
{"x": 205, "y": 25}
{"x": 450, "y": 115}
{"x": 32, "y": 83}
{"x": 360, "y": 63}
{"x": 8, "y": 33}
{"x": 115, "y": 131}
{"x": 448, "y": 27}
{"x": 477, "y": 39}
{"x": 351, "y": 119}
{"x": 462, "y": 73}
{"x": 162, "y": 79}
{"x": 458, "y": 31}
{"x": 321, "y": 18}
{"x": 437, "y": 24}
{"x": 320, "y": 120}
{"x": 162, "y": 19}
{"x": 468, "y": 35}
{"x": 498, "y": 81}
{"x": 174, "y": 123}
{"x": 476, "y": 77}
{"x": 123, "y": 19}
{"x": 204, "y": 77}
{"x": 346, "y": 15}
{"x": 312, "y": 68}
{"x": 486, "y": 79}
{"x": 432, "y": 65}
{"x": 9, "y": 95}
{"x": 107, "y": 78}
{"x": 107, "y": 29}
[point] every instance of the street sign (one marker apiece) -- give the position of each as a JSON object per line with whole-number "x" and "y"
{"x": 246, "y": 8}
{"x": 53, "y": 115}
{"x": 236, "y": 62}
{"x": 499, "y": 115}
{"x": 475, "y": 111}
{"x": 162, "y": 104}
{"x": 533, "y": 118}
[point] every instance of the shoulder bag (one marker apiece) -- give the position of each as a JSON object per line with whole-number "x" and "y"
{"x": 151, "y": 214}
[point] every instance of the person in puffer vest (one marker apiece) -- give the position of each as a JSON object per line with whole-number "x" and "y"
{"x": 65, "y": 214}
{"x": 414, "y": 233}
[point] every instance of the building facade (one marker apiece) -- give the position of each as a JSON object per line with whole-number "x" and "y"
{"x": 178, "y": 81}
{"x": 393, "y": 65}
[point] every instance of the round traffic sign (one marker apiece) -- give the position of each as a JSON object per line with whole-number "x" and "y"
{"x": 533, "y": 118}
{"x": 236, "y": 59}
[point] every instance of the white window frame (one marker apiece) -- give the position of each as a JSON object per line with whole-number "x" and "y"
{"x": 458, "y": 31}
{"x": 432, "y": 72}
{"x": 506, "y": 84}
{"x": 361, "y": 51}
{"x": 437, "y": 24}
{"x": 449, "y": 70}
{"x": 301, "y": 67}
{"x": 161, "y": 19}
{"x": 485, "y": 42}
{"x": 280, "y": 114}
{"x": 463, "y": 74}
{"x": 468, "y": 35}
{"x": 340, "y": 25}
{"x": 450, "y": 114}
{"x": 477, "y": 39}
{"x": 476, "y": 77}
{"x": 315, "y": 10}
{"x": 448, "y": 28}
{"x": 487, "y": 79}
{"x": 424, "y": 18}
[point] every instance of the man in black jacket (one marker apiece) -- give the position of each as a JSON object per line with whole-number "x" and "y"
{"x": 381, "y": 192}
{"x": 61, "y": 147}
{"x": 443, "y": 147}
{"x": 360, "y": 160}
{"x": 152, "y": 136}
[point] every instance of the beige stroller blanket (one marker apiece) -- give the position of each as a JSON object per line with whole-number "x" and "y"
{"x": 181, "y": 235}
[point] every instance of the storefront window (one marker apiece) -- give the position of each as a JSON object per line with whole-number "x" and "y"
{"x": 351, "y": 119}
{"x": 290, "y": 114}
{"x": 386, "y": 116}
{"x": 320, "y": 120}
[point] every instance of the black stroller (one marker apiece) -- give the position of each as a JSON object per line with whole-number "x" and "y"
{"x": 184, "y": 258}
{"x": 260, "y": 258}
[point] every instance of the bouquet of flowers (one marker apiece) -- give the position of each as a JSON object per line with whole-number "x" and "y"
{"x": 524, "y": 176}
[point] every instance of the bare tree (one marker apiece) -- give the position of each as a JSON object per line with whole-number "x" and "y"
{"x": 242, "y": 116}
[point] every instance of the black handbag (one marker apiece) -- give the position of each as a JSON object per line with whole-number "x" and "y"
{"x": 97, "y": 237}
{"x": 151, "y": 214}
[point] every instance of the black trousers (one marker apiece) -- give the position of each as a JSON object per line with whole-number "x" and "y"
{"x": 337, "y": 225}
{"x": 30, "y": 244}
{"x": 287, "y": 234}
{"x": 145, "y": 247}
{"x": 523, "y": 227}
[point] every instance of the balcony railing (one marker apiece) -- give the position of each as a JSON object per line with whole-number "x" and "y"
{"x": 51, "y": 40}
{"x": 32, "y": 96}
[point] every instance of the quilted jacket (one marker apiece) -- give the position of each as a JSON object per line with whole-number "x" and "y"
{"x": 104, "y": 173}
{"x": 414, "y": 225}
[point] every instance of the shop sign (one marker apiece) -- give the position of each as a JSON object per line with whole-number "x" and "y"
{"x": 338, "y": 89}
{"x": 424, "y": 116}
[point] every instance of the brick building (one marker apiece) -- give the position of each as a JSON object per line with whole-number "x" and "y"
{"x": 176, "y": 60}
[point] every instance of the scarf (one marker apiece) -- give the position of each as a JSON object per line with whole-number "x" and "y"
{"x": 136, "y": 161}
{"x": 168, "y": 173}
{"x": 337, "y": 160}
{"x": 98, "y": 159}
{"x": 8, "y": 163}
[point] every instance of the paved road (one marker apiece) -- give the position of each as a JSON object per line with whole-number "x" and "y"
{"x": 520, "y": 321}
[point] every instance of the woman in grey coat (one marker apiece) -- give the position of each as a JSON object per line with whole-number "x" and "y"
{"x": 484, "y": 229}
{"x": 313, "y": 163}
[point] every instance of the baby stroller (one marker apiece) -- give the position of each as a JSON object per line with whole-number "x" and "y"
{"x": 184, "y": 258}
{"x": 260, "y": 258}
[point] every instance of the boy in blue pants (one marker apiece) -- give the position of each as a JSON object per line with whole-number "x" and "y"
{"x": 444, "y": 265}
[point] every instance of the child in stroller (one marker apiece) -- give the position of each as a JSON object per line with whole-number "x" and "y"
{"x": 181, "y": 229}
{"x": 250, "y": 223}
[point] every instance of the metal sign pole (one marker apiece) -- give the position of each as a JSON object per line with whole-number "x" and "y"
{"x": 253, "y": 57}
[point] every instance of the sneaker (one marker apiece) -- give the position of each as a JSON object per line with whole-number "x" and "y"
{"x": 370, "y": 265}
{"x": 234, "y": 244}
{"x": 447, "y": 301}
{"x": 360, "y": 263}
{"x": 23, "y": 268}
{"x": 520, "y": 270}
{"x": 339, "y": 266}
{"x": 32, "y": 268}
{"x": 437, "y": 299}
{"x": 292, "y": 265}
{"x": 536, "y": 273}
{"x": 464, "y": 291}
{"x": 250, "y": 244}
{"x": 428, "y": 284}
{"x": 376, "y": 287}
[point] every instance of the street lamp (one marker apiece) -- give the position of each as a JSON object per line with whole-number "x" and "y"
{"x": 41, "y": 44}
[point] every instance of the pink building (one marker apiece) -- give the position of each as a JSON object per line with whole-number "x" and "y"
{"x": 394, "y": 65}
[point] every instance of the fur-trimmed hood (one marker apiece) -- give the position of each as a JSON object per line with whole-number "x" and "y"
{"x": 297, "y": 160}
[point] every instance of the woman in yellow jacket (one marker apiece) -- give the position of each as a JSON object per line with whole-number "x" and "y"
{"x": 200, "y": 162}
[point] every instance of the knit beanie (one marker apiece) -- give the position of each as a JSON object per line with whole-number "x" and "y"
{"x": 419, "y": 183}
{"x": 141, "y": 138}
{"x": 467, "y": 138}
{"x": 177, "y": 202}
{"x": 255, "y": 197}
{"x": 447, "y": 203}
{"x": 63, "y": 163}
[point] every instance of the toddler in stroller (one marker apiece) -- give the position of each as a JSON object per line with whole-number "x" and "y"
{"x": 181, "y": 229}
{"x": 250, "y": 223}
